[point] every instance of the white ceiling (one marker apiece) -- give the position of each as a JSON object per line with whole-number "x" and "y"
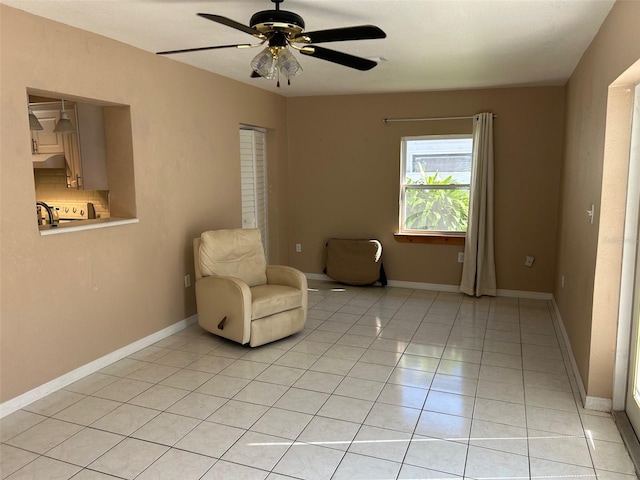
{"x": 430, "y": 44}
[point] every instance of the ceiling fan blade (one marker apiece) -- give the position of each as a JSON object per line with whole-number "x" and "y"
{"x": 231, "y": 23}
{"x": 340, "y": 58}
{"x": 361, "y": 32}
{"x": 198, "y": 49}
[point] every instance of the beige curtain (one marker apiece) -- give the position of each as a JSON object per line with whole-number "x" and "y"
{"x": 478, "y": 269}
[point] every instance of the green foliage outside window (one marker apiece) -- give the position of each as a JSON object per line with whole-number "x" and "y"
{"x": 436, "y": 209}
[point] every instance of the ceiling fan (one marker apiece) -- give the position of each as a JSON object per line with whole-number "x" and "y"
{"x": 280, "y": 29}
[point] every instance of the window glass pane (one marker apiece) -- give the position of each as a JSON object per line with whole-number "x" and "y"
{"x": 441, "y": 209}
{"x": 438, "y": 161}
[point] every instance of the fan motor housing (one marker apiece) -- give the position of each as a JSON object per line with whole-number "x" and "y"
{"x": 269, "y": 20}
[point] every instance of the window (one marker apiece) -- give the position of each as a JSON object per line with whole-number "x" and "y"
{"x": 435, "y": 183}
{"x": 254, "y": 181}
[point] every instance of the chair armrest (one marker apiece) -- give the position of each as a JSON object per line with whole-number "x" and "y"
{"x": 291, "y": 277}
{"x": 283, "y": 275}
{"x": 219, "y": 297}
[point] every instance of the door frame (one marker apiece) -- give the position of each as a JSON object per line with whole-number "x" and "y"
{"x": 629, "y": 266}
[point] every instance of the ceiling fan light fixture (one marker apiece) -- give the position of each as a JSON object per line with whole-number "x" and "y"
{"x": 34, "y": 123}
{"x": 287, "y": 64}
{"x": 264, "y": 64}
{"x": 284, "y": 29}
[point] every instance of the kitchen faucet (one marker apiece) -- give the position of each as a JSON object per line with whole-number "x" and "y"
{"x": 49, "y": 213}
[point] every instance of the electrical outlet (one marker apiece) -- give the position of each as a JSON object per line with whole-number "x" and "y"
{"x": 298, "y": 247}
{"x": 187, "y": 280}
{"x": 562, "y": 281}
{"x": 460, "y": 257}
{"x": 528, "y": 261}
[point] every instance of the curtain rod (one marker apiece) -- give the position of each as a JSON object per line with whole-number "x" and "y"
{"x": 426, "y": 119}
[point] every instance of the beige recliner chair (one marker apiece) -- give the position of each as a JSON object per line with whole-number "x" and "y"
{"x": 239, "y": 296}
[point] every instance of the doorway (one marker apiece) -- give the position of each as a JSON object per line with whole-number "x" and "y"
{"x": 631, "y": 258}
{"x": 626, "y": 391}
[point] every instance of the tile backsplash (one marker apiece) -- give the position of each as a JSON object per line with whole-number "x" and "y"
{"x": 51, "y": 186}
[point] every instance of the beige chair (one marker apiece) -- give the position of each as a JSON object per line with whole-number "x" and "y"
{"x": 239, "y": 296}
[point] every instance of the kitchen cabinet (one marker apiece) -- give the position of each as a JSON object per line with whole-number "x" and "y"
{"x": 92, "y": 147}
{"x": 45, "y": 141}
{"x": 84, "y": 152}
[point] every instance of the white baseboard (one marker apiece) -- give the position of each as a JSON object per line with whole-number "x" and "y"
{"x": 42, "y": 391}
{"x": 436, "y": 287}
{"x": 525, "y": 294}
{"x": 441, "y": 287}
{"x": 572, "y": 359}
{"x": 599, "y": 404}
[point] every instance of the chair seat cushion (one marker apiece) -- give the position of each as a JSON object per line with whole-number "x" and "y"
{"x": 270, "y": 299}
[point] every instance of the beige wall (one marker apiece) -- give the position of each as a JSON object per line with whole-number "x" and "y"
{"x": 587, "y": 256}
{"x": 345, "y": 178}
{"x": 68, "y": 299}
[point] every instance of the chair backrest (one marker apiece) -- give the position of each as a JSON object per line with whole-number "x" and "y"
{"x": 233, "y": 253}
{"x": 196, "y": 257}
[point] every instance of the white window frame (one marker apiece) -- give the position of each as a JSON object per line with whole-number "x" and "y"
{"x": 404, "y": 187}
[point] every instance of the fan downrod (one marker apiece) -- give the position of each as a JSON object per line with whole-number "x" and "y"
{"x": 267, "y": 21}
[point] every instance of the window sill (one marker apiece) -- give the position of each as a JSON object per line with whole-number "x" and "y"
{"x": 433, "y": 238}
{"x": 85, "y": 225}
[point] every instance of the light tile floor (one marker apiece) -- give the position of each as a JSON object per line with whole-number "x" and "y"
{"x": 384, "y": 383}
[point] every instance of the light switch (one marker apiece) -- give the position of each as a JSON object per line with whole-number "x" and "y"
{"x": 591, "y": 213}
